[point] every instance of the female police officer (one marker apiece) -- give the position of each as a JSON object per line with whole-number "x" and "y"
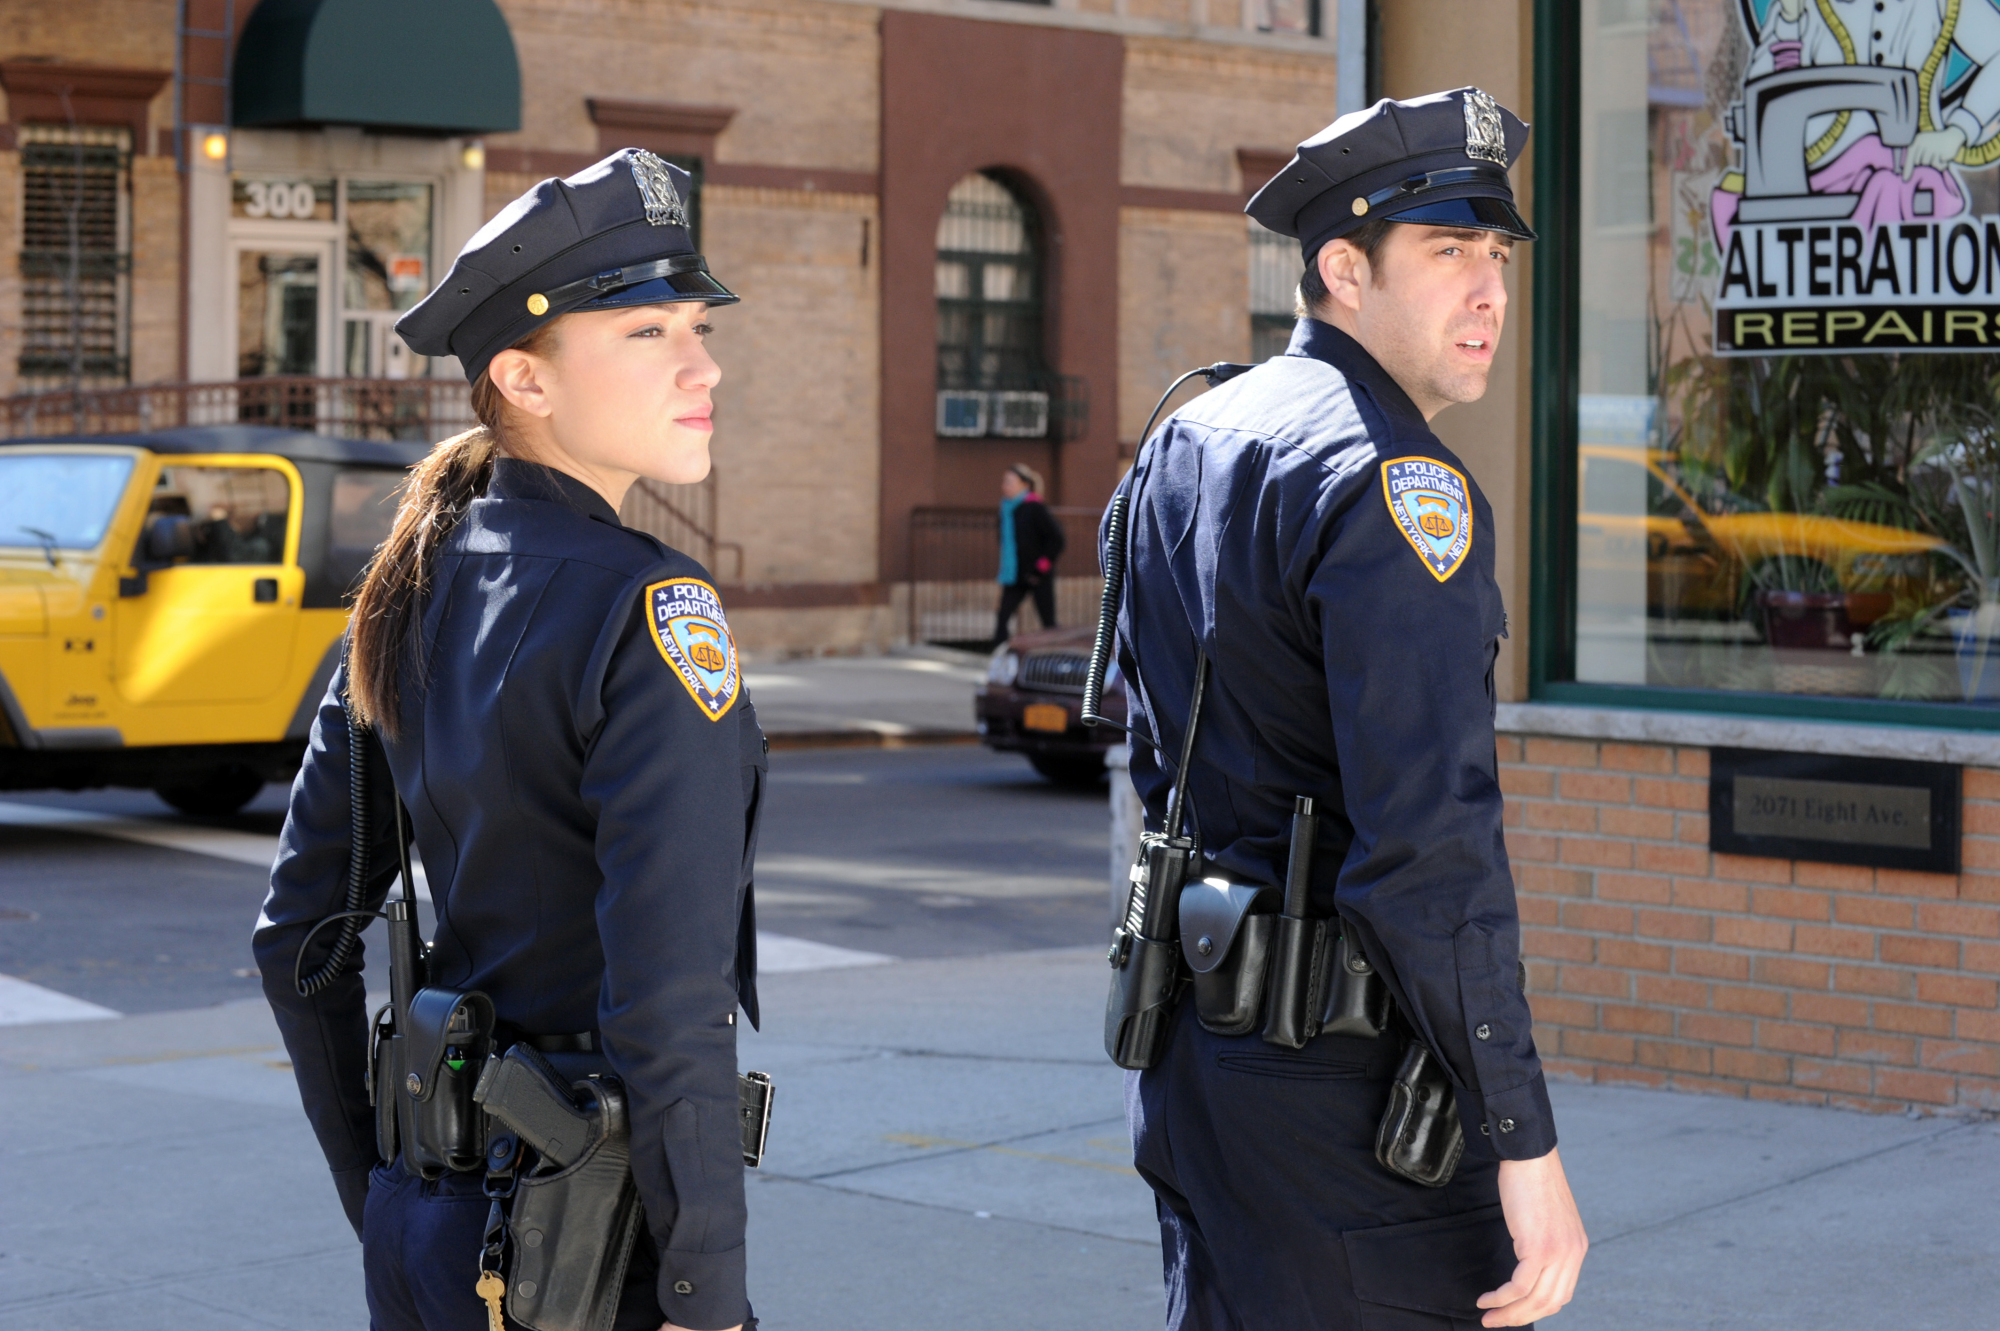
{"x": 559, "y": 701}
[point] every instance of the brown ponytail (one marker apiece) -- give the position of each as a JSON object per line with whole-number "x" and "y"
{"x": 381, "y": 642}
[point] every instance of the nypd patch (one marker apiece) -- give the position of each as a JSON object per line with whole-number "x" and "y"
{"x": 693, "y": 636}
{"x": 1432, "y": 506}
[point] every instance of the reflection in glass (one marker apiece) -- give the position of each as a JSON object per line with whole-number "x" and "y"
{"x": 63, "y": 501}
{"x": 388, "y": 244}
{"x": 277, "y": 313}
{"x": 239, "y": 513}
{"x": 1821, "y": 521}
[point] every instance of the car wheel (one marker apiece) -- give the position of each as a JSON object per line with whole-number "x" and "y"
{"x": 217, "y": 794}
{"x": 1077, "y": 772}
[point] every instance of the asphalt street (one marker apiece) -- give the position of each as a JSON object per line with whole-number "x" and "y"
{"x": 949, "y": 1147}
{"x": 926, "y": 852}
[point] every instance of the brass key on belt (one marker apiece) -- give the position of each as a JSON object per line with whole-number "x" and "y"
{"x": 490, "y": 1288}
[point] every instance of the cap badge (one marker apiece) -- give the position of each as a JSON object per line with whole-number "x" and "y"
{"x": 538, "y": 304}
{"x": 1485, "y": 135}
{"x": 656, "y": 187}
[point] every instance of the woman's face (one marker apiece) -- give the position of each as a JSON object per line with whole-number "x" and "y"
{"x": 1011, "y": 485}
{"x": 625, "y": 392}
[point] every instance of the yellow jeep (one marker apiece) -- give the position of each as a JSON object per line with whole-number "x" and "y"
{"x": 171, "y": 603}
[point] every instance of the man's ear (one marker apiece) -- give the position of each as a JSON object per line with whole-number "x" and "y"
{"x": 521, "y": 378}
{"x": 1344, "y": 269}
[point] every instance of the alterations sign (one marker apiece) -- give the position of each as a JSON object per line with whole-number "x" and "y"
{"x": 1849, "y": 227}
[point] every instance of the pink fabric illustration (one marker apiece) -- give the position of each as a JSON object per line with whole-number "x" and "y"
{"x": 1869, "y": 168}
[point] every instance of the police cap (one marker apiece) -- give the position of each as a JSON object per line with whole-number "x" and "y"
{"x": 613, "y": 234}
{"x": 1441, "y": 159}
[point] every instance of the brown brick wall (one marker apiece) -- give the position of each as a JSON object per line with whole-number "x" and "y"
{"x": 1653, "y": 961}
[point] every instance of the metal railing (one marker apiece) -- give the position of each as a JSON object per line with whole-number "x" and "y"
{"x": 418, "y": 410}
{"x": 405, "y": 409}
{"x": 955, "y": 558}
{"x": 684, "y": 517}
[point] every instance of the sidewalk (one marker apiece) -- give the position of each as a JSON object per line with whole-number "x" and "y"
{"x": 948, "y": 1151}
{"x": 914, "y": 695}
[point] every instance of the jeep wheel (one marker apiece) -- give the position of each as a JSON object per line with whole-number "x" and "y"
{"x": 217, "y": 794}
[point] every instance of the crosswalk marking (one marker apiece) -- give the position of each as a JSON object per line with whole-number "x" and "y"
{"x": 22, "y": 1003}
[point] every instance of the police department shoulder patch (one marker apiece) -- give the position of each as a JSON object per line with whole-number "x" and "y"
{"x": 693, "y": 636}
{"x": 1432, "y": 506}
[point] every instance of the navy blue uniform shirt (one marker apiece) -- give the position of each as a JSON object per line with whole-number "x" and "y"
{"x": 586, "y": 813}
{"x": 1337, "y": 563}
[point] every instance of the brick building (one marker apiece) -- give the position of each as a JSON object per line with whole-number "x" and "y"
{"x": 1749, "y": 736}
{"x": 274, "y": 182}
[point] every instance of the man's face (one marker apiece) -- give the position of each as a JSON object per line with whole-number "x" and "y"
{"x": 1429, "y": 308}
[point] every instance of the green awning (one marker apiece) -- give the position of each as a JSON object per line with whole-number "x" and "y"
{"x": 430, "y": 67}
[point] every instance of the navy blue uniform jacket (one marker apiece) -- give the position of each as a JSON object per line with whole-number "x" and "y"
{"x": 1346, "y": 668}
{"x": 587, "y": 832}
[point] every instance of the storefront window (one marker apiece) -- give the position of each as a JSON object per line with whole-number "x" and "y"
{"x": 1788, "y": 429}
{"x": 388, "y": 271}
{"x": 325, "y": 266}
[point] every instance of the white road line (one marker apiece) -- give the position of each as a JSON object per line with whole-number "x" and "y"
{"x": 779, "y": 953}
{"x": 775, "y": 952}
{"x": 219, "y": 843}
{"x": 23, "y": 1004}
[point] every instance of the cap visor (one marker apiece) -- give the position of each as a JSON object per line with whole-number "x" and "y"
{"x": 1481, "y": 212}
{"x": 673, "y": 289}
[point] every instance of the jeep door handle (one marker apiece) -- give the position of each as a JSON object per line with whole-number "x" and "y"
{"x": 264, "y": 591}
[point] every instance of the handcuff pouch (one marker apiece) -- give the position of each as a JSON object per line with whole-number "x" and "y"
{"x": 1226, "y": 932}
{"x": 439, "y": 1058}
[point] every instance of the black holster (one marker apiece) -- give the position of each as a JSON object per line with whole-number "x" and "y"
{"x": 571, "y": 1228}
{"x": 1145, "y": 963}
{"x": 1421, "y": 1138}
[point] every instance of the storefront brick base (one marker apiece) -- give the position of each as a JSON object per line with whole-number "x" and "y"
{"x": 1653, "y": 961}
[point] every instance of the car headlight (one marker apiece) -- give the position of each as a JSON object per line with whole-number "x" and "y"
{"x": 1002, "y": 667}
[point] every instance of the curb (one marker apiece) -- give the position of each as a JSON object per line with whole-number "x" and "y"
{"x": 867, "y": 739}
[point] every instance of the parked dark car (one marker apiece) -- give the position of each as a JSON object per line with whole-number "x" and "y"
{"x": 1033, "y": 697}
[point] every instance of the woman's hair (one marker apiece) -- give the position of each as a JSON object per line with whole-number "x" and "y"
{"x": 381, "y": 636}
{"x": 1029, "y": 476}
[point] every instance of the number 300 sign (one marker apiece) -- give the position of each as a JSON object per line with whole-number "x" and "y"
{"x": 278, "y": 198}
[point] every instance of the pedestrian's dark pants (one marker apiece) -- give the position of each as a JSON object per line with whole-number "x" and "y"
{"x": 420, "y": 1246}
{"x": 1014, "y": 593}
{"x": 1275, "y": 1215}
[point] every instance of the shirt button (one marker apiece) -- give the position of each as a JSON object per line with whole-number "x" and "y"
{"x": 684, "y": 1287}
{"x": 1506, "y": 1125}
{"x": 1483, "y": 1031}
{"x": 1878, "y": 59}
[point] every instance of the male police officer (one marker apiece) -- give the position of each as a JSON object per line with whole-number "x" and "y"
{"x": 1303, "y": 526}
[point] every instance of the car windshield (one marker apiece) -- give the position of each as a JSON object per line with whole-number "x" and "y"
{"x": 59, "y": 499}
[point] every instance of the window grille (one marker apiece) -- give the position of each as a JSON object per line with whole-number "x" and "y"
{"x": 76, "y": 260}
{"x": 1300, "y": 18}
{"x": 991, "y": 376}
{"x": 1274, "y": 282}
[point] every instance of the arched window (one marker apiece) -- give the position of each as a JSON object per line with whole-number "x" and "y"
{"x": 991, "y": 375}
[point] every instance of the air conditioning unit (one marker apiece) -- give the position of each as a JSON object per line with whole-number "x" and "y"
{"x": 961, "y": 413}
{"x": 1021, "y": 415}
